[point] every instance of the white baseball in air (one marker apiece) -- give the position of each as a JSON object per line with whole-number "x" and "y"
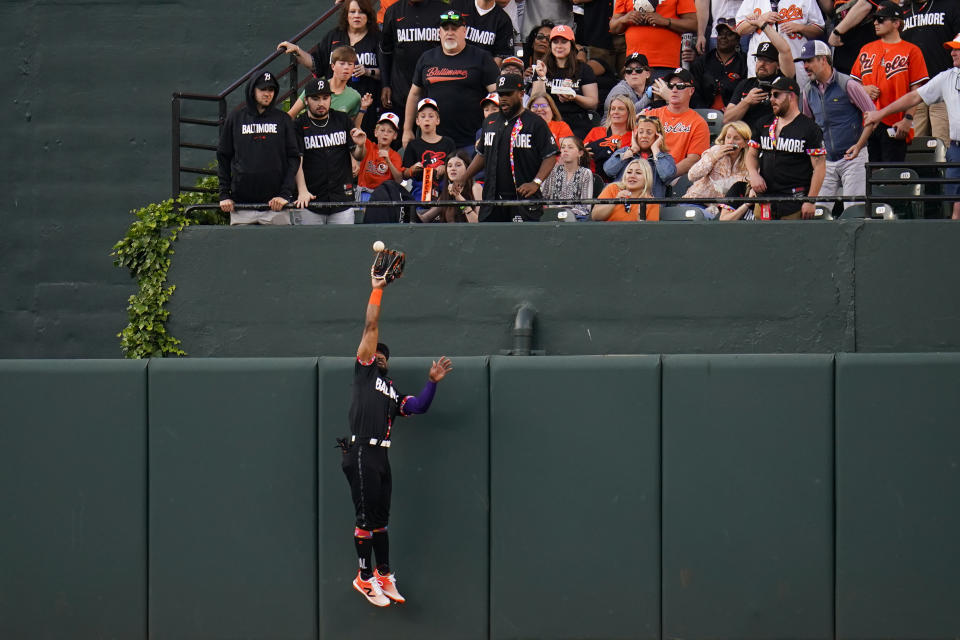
{"x": 378, "y": 246}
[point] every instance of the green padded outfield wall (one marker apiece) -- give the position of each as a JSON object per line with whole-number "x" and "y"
{"x": 73, "y": 477}
{"x": 575, "y": 495}
{"x": 748, "y": 497}
{"x": 86, "y": 122}
{"x": 439, "y": 522}
{"x": 898, "y": 491}
{"x": 795, "y": 287}
{"x": 232, "y": 500}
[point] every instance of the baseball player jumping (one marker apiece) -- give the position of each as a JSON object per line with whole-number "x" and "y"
{"x": 374, "y": 407}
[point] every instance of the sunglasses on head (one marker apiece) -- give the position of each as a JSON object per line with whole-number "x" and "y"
{"x": 644, "y": 118}
{"x": 679, "y": 86}
{"x": 634, "y": 70}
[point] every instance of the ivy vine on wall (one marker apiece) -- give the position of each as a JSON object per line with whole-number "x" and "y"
{"x": 145, "y": 251}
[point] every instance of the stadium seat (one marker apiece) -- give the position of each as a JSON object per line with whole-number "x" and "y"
{"x": 679, "y": 186}
{"x": 879, "y": 211}
{"x": 926, "y": 150}
{"x": 823, "y": 213}
{"x": 924, "y": 154}
{"x": 553, "y": 214}
{"x": 891, "y": 181}
{"x": 679, "y": 213}
{"x": 714, "y": 120}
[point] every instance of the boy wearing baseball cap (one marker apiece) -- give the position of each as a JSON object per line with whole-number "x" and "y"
{"x": 429, "y": 150}
{"x": 380, "y": 162}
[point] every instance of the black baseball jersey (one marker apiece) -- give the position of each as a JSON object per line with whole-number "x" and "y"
{"x": 458, "y": 83}
{"x": 593, "y": 25}
{"x": 491, "y": 31}
{"x": 785, "y": 160}
{"x": 513, "y": 150}
{"x": 712, "y": 76}
{"x": 326, "y": 155}
{"x": 429, "y": 154}
{"x": 409, "y": 30}
{"x": 368, "y": 54}
{"x": 929, "y": 26}
{"x": 376, "y": 403}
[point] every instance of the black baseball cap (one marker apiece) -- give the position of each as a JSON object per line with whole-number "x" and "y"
{"x": 266, "y": 80}
{"x": 317, "y": 87}
{"x": 452, "y": 17}
{"x": 783, "y": 83}
{"x": 509, "y": 82}
{"x": 384, "y": 349}
{"x": 638, "y": 59}
{"x": 888, "y": 9}
{"x": 681, "y": 73}
{"x": 768, "y": 51}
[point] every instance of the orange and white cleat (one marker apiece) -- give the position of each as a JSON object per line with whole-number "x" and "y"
{"x": 388, "y": 584}
{"x": 371, "y": 590}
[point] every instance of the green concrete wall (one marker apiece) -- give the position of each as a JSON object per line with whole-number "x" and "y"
{"x": 598, "y": 288}
{"x": 682, "y": 496}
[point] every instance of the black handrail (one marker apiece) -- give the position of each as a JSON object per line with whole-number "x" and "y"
{"x": 221, "y": 99}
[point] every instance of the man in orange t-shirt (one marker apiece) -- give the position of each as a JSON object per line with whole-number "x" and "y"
{"x": 684, "y": 130}
{"x": 655, "y": 32}
{"x": 890, "y": 68}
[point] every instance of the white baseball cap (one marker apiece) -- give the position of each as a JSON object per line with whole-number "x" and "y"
{"x": 427, "y": 102}
{"x": 392, "y": 118}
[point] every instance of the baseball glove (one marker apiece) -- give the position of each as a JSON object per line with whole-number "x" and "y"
{"x": 388, "y": 265}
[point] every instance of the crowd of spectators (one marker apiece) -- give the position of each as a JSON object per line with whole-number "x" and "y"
{"x": 519, "y": 100}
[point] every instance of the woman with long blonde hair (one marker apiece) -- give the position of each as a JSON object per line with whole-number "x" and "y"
{"x": 636, "y": 183}
{"x": 721, "y": 166}
{"x": 615, "y": 133}
{"x": 648, "y": 143}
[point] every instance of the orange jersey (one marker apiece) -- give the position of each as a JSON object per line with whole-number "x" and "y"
{"x": 560, "y": 129}
{"x": 620, "y": 213}
{"x": 659, "y": 44}
{"x": 895, "y": 68}
{"x": 684, "y": 133}
{"x": 373, "y": 169}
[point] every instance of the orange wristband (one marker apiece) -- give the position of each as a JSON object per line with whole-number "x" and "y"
{"x": 375, "y": 296}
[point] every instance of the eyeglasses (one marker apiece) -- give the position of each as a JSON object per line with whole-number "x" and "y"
{"x": 539, "y": 105}
{"x": 679, "y": 86}
{"x": 630, "y": 70}
{"x": 542, "y": 36}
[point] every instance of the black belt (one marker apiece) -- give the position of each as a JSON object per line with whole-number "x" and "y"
{"x": 373, "y": 442}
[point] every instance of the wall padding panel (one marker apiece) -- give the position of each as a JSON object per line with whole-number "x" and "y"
{"x": 72, "y": 487}
{"x": 575, "y": 471}
{"x": 898, "y": 491}
{"x": 233, "y": 498}
{"x": 748, "y": 497}
{"x": 439, "y": 541}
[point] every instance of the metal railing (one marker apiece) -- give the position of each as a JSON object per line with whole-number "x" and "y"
{"x": 873, "y": 197}
{"x": 179, "y": 98}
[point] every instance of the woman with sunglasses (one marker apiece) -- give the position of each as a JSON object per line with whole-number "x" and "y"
{"x": 536, "y": 48}
{"x": 636, "y": 77}
{"x": 615, "y": 133}
{"x": 649, "y": 145}
{"x": 573, "y": 82}
{"x": 635, "y": 184}
{"x": 571, "y": 179}
{"x": 721, "y": 166}
{"x": 543, "y": 105}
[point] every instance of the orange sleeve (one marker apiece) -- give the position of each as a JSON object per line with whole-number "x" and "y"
{"x": 855, "y": 70}
{"x": 700, "y": 135}
{"x": 622, "y": 6}
{"x": 597, "y": 133}
{"x": 609, "y": 191}
{"x": 917, "y": 66}
{"x": 396, "y": 159}
{"x": 565, "y": 130}
{"x": 685, "y": 6}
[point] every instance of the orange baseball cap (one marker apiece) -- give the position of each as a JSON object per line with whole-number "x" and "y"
{"x": 953, "y": 44}
{"x": 562, "y": 31}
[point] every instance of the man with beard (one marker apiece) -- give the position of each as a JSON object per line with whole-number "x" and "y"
{"x": 325, "y": 137}
{"x": 257, "y": 156}
{"x": 456, "y": 76}
{"x": 517, "y": 153}
{"x": 750, "y": 101}
{"x": 374, "y": 407}
{"x": 786, "y": 156}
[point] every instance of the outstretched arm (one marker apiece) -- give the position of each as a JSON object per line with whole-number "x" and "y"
{"x": 371, "y": 326}
{"x": 421, "y": 402}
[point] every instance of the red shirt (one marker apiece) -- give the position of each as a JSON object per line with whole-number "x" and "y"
{"x": 373, "y": 169}
{"x": 895, "y": 68}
